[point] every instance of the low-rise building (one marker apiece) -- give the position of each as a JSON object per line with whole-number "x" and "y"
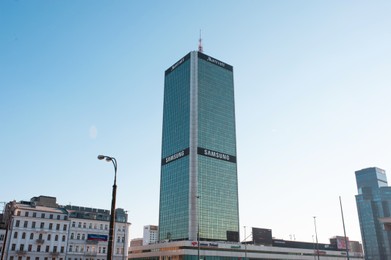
{"x": 40, "y": 229}
{"x": 150, "y": 234}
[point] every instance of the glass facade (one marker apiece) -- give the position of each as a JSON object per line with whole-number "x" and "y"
{"x": 373, "y": 205}
{"x": 199, "y": 189}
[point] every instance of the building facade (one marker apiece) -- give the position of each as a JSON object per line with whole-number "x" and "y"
{"x": 150, "y": 234}
{"x": 189, "y": 250}
{"x": 374, "y": 212}
{"x": 199, "y": 187}
{"x": 40, "y": 229}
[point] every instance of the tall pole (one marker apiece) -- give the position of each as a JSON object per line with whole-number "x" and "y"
{"x": 316, "y": 237}
{"x": 113, "y": 199}
{"x": 245, "y": 244}
{"x": 344, "y": 230}
{"x": 198, "y": 227}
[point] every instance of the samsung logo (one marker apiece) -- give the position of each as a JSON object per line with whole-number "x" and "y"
{"x": 175, "y": 156}
{"x": 216, "y": 155}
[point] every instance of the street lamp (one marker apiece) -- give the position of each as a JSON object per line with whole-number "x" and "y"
{"x": 198, "y": 226}
{"x": 316, "y": 237}
{"x": 113, "y": 197}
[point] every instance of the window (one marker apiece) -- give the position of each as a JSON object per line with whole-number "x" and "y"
{"x": 70, "y": 248}
{"x": 34, "y": 214}
{"x": 58, "y": 217}
{"x": 50, "y": 226}
{"x": 17, "y": 223}
{"x": 25, "y": 224}
{"x": 32, "y": 236}
{"x": 84, "y": 225}
{"x": 83, "y": 236}
{"x": 62, "y": 249}
{"x": 118, "y": 239}
{"x": 72, "y": 236}
{"x": 42, "y": 215}
{"x": 37, "y": 258}
{"x": 58, "y": 227}
{"x": 106, "y": 227}
{"x": 38, "y": 248}
{"x": 19, "y": 258}
{"x": 73, "y": 224}
{"x": 24, "y": 235}
{"x": 65, "y": 227}
{"x": 13, "y": 247}
{"x": 26, "y": 214}
{"x": 49, "y": 237}
{"x": 21, "y": 247}
{"x": 47, "y": 249}
{"x": 90, "y": 226}
{"x": 79, "y": 225}
{"x": 42, "y": 224}
{"x": 54, "y": 249}
{"x": 33, "y": 224}
{"x": 76, "y": 248}
{"x": 40, "y": 236}
{"x": 16, "y": 235}
{"x": 30, "y": 247}
{"x": 65, "y": 217}
{"x": 104, "y": 250}
{"x": 63, "y": 238}
{"x": 11, "y": 258}
{"x": 56, "y": 238}
{"x": 28, "y": 258}
{"x": 78, "y": 236}
{"x": 18, "y": 213}
{"x": 101, "y": 226}
{"x": 51, "y": 216}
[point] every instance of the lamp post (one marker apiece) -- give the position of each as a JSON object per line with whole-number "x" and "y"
{"x": 113, "y": 198}
{"x": 245, "y": 244}
{"x": 344, "y": 230}
{"x": 316, "y": 237}
{"x": 198, "y": 226}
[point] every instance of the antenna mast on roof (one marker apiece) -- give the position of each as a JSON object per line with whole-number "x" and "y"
{"x": 200, "y": 49}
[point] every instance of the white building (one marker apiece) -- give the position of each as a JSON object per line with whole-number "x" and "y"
{"x": 150, "y": 234}
{"x": 40, "y": 229}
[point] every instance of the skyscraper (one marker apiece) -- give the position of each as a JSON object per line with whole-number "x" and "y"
{"x": 198, "y": 183}
{"x": 374, "y": 212}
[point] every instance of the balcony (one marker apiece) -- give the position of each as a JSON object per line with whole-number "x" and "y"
{"x": 39, "y": 241}
{"x": 54, "y": 254}
{"x": 20, "y": 252}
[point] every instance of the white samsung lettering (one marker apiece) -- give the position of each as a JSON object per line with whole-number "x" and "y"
{"x": 175, "y": 156}
{"x": 217, "y": 155}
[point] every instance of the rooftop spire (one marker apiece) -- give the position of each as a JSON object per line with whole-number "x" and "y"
{"x": 200, "y": 48}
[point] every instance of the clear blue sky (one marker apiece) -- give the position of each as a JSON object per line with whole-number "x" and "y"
{"x": 312, "y": 89}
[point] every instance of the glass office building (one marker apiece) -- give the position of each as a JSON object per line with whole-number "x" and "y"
{"x": 199, "y": 185}
{"x": 374, "y": 212}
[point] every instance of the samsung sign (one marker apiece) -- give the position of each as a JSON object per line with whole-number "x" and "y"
{"x": 200, "y": 151}
{"x": 175, "y": 156}
{"x": 216, "y": 155}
